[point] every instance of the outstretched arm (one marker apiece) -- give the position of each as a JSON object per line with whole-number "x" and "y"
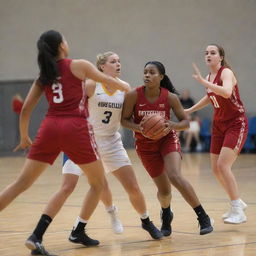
{"x": 227, "y": 78}
{"x": 84, "y": 69}
{"x": 199, "y": 105}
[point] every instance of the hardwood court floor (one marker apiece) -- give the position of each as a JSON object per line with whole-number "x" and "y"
{"x": 19, "y": 219}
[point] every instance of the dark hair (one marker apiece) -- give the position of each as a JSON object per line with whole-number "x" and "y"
{"x": 165, "y": 82}
{"x": 222, "y": 54}
{"x": 48, "y": 49}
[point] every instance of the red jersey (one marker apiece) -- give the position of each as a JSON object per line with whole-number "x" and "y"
{"x": 143, "y": 107}
{"x": 225, "y": 109}
{"x": 66, "y": 97}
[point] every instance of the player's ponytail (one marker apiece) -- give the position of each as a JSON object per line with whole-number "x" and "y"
{"x": 165, "y": 82}
{"x": 48, "y": 49}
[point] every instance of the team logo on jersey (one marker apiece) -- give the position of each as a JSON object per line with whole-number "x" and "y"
{"x": 103, "y": 104}
{"x": 151, "y": 112}
{"x": 161, "y": 105}
{"x": 142, "y": 105}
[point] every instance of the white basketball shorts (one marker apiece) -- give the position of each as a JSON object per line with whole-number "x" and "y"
{"x": 111, "y": 151}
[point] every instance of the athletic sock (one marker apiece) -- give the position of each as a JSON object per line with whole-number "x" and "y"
{"x": 145, "y": 221}
{"x": 110, "y": 208}
{"x": 42, "y": 225}
{"x": 79, "y": 225}
{"x": 166, "y": 211}
{"x": 199, "y": 210}
{"x": 144, "y": 216}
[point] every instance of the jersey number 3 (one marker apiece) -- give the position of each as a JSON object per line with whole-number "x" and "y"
{"x": 107, "y": 119}
{"x": 57, "y": 91}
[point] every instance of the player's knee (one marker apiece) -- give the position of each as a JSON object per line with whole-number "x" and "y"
{"x": 134, "y": 190}
{"x": 174, "y": 177}
{"x": 164, "y": 193}
{"x": 97, "y": 185}
{"x": 221, "y": 166}
{"x": 68, "y": 188}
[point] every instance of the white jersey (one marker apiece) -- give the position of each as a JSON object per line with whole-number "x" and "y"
{"x": 105, "y": 111}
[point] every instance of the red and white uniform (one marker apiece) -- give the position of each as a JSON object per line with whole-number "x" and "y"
{"x": 152, "y": 152}
{"x": 65, "y": 127}
{"x": 230, "y": 125}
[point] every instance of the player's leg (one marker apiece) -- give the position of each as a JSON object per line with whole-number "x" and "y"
{"x": 106, "y": 198}
{"x": 225, "y": 161}
{"x": 30, "y": 171}
{"x": 95, "y": 175}
{"x": 127, "y": 178}
{"x": 173, "y": 168}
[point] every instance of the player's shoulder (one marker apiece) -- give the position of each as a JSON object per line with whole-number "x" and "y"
{"x": 173, "y": 96}
{"x": 227, "y": 71}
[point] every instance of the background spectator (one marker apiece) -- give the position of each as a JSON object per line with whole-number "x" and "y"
{"x": 191, "y": 137}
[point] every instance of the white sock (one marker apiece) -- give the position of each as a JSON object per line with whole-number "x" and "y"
{"x": 110, "y": 208}
{"x": 79, "y": 220}
{"x": 144, "y": 216}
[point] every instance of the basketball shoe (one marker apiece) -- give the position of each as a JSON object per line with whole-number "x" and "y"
{"x": 116, "y": 224}
{"x": 39, "y": 252}
{"x": 166, "y": 227}
{"x": 36, "y": 247}
{"x": 236, "y": 216}
{"x": 82, "y": 238}
{"x": 206, "y": 224}
{"x": 240, "y": 204}
{"x": 152, "y": 229}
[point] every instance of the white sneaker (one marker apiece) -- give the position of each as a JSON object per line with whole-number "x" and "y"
{"x": 116, "y": 224}
{"x": 242, "y": 205}
{"x": 236, "y": 216}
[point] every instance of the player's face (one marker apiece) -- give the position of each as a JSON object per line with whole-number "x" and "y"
{"x": 152, "y": 77}
{"x": 112, "y": 66}
{"x": 212, "y": 56}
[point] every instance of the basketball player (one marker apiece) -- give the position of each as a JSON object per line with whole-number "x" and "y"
{"x": 230, "y": 125}
{"x": 64, "y": 128}
{"x": 105, "y": 107}
{"x": 162, "y": 158}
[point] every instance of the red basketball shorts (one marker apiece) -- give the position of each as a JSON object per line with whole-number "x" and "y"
{"x": 72, "y": 135}
{"x": 231, "y": 134}
{"x": 152, "y": 153}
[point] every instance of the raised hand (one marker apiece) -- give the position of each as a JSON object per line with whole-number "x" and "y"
{"x": 197, "y": 75}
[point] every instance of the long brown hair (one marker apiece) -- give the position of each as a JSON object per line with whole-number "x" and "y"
{"x": 222, "y": 54}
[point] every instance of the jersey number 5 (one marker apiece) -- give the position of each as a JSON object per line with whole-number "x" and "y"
{"x": 107, "y": 119}
{"x": 57, "y": 90}
{"x": 215, "y": 102}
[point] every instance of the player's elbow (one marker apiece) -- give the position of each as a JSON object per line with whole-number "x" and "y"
{"x": 227, "y": 94}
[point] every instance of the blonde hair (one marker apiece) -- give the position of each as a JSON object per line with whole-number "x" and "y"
{"x": 101, "y": 59}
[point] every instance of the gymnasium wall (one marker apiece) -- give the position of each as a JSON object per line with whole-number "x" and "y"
{"x": 174, "y": 32}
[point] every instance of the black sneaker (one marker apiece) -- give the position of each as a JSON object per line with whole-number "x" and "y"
{"x": 166, "y": 227}
{"x": 152, "y": 230}
{"x": 82, "y": 238}
{"x": 205, "y": 224}
{"x": 39, "y": 252}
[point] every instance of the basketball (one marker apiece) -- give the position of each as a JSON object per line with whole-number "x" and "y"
{"x": 153, "y": 126}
